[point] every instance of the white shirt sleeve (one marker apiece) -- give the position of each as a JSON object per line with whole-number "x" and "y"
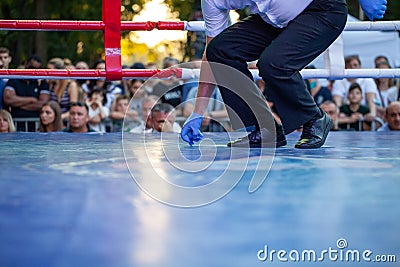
{"x": 370, "y": 86}
{"x": 106, "y": 111}
{"x": 338, "y": 88}
{"x": 215, "y": 18}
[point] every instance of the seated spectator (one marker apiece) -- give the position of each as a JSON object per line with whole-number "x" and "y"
{"x": 387, "y": 90}
{"x": 64, "y": 92}
{"x": 122, "y": 117}
{"x": 5, "y": 60}
{"x": 380, "y": 59}
{"x": 318, "y": 92}
{"x": 138, "y": 66}
{"x": 215, "y": 111}
{"x": 169, "y": 90}
{"x": 83, "y": 84}
{"x": 78, "y": 119}
{"x": 188, "y": 84}
{"x": 340, "y": 88}
{"x": 150, "y": 83}
{"x": 124, "y": 84}
{"x": 111, "y": 90}
{"x": 352, "y": 113}
{"x": 68, "y": 64}
{"x": 136, "y": 95}
{"x": 81, "y": 65}
{"x": 6, "y": 122}
{"x": 146, "y": 125}
{"x": 163, "y": 118}
{"x": 26, "y": 97}
{"x": 333, "y": 112}
{"x": 392, "y": 117}
{"x": 97, "y": 110}
{"x": 50, "y": 118}
{"x": 2, "y": 86}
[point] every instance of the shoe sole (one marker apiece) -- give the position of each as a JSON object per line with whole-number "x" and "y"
{"x": 322, "y": 142}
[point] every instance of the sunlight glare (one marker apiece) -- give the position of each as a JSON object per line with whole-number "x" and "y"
{"x": 156, "y": 10}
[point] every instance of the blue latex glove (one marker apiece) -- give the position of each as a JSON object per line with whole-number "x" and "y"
{"x": 191, "y": 129}
{"x": 374, "y": 9}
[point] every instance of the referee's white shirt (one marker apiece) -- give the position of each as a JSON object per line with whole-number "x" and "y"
{"x": 278, "y": 13}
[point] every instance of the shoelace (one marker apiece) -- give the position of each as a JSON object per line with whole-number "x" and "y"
{"x": 308, "y": 130}
{"x": 254, "y": 135}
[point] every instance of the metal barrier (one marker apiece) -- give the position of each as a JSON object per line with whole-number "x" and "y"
{"x": 375, "y": 124}
{"x": 26, "y": 124}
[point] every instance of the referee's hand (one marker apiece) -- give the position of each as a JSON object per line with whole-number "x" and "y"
{"x": 191, "y": 129}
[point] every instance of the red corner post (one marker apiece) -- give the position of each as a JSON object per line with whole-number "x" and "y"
{"x": 112, "y": 38}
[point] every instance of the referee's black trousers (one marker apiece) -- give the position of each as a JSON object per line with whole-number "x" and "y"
{"x": 281, "y": 54}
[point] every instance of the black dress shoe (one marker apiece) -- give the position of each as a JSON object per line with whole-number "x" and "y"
{"x": 261, "y": 138}
{"x": 315, "y": 132}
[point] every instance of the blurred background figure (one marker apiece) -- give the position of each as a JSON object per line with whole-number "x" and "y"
{"x": 150, "y": 83}
{"x": 50, "y": 118}
{"x": 6, "y": 122}
{"x": 163, "y": 118}
{"x": 387, "y": 90}
{"x": 64, "y": 92}
{"x": 25, "y": 97}
{"x": 68, "y": 64}
{"x": 5, "y": 60}
{"x": 392, "y": 117}
{"x": 123, "y": 119}
{"x": 188, "y": 84}
{"x": 78, "y": 119}
{"x": 215, "y": 112}
{"x": 81, "y": 65}
{"x": 340, "y": 88}
{"x": 169, "y": 90}
{"x": 111, "y": 90}
{"x": 125, "y": 82}
{"x": 83, "y": 84}
{"x": 380, "y": 59}
{"x": 146, "y": 124}
{"x": 318, "y": 92}
{"x": 98, "y": 112}
{"x": 136, "y": 93}
{"x": 353, "y": 113}
{"x": 332, "y": 110}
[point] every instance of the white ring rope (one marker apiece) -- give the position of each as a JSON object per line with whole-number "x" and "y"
{"x": 373, "y": 26}
{"x": 319, "y": 73}
{"x": 350, "y": 26}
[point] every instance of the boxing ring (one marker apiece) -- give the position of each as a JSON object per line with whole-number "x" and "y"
{"x": 76, "y": 200}
{"x": 71, "y": 201}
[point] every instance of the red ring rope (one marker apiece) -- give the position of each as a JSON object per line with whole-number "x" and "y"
{"x": 66, "y": 25}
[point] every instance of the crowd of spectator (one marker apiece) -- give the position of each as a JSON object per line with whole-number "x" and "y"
{"x": 358, "y": 104}
{"x": 142, "y": 106}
